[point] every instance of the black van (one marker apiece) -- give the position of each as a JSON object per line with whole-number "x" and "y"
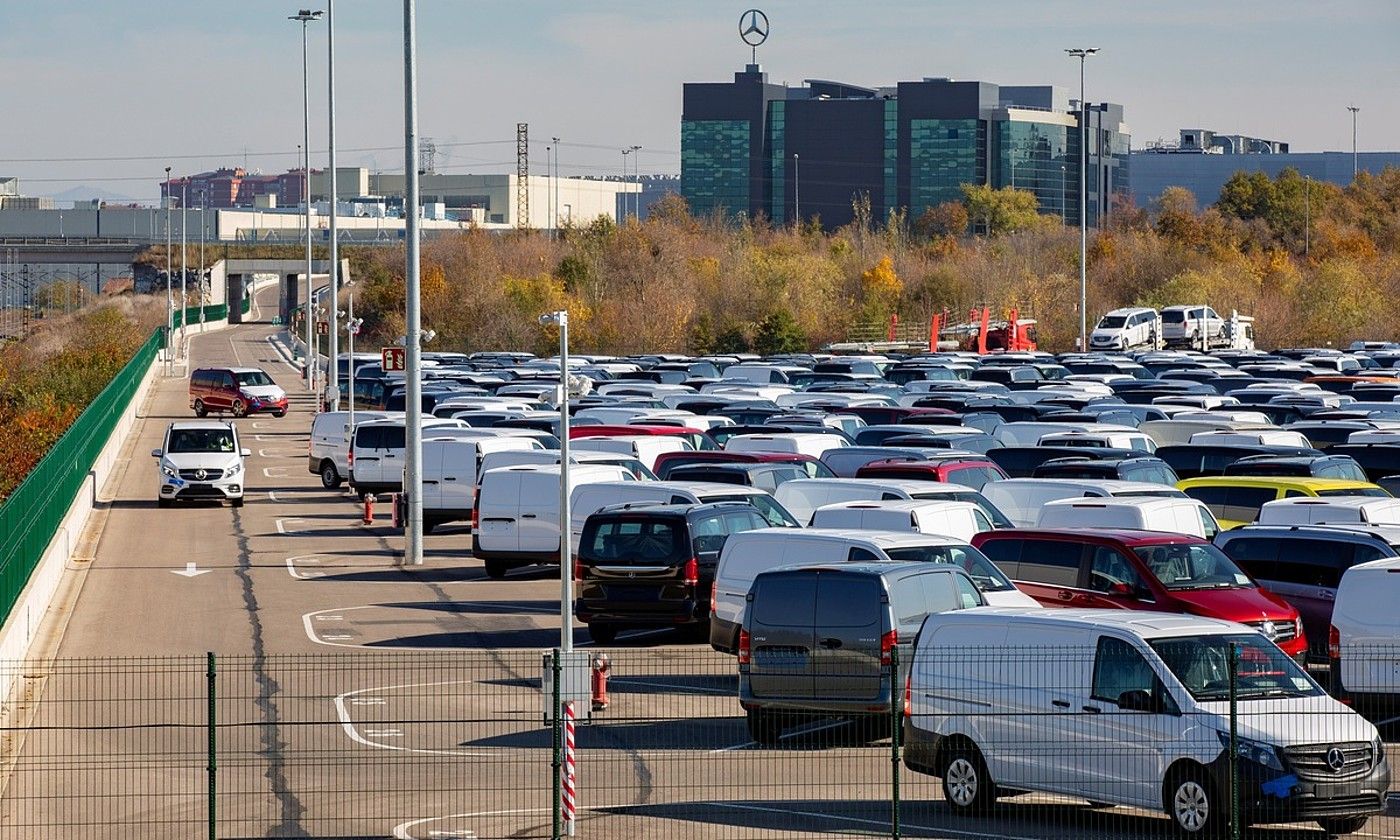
{"x": 652, "y": 565}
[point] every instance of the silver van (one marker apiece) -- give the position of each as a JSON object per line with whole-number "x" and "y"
{"x": 818, "y": 641}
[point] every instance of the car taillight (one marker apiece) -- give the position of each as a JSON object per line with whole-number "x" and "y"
{"x": 714, "y": 594}
{"x": 909, "y": 695}
{"x": 1334, "y": 643}
{"x": 350, "y": 458}
{"x": 887, "y": 643}
{"x": 476, "y": 518}
{"x": 744, "y": 653}
{"x": 691, "y": 572}
{"x": 578, "y": 568}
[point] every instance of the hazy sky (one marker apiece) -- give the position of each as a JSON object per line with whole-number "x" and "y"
{"x": 108, "y": 92}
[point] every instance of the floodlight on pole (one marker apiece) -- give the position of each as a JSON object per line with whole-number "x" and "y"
{"x": 560, "y": 319}
{"x": 169, "y": 269}
{"x": 305, "y": 16}
{"x": 413, "y": 314}
{"x": 333, "y": 344}
{"x": 1083, "y": 53}
{"x": 1354, "y": 109}
{"x": 637, "y": 172}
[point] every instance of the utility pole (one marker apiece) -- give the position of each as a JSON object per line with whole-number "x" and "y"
{"x": 333, "y": 342}
{"x": 169, "y": 270}
{"x": 305, "y": 16}
{"x": 1354, "y": 169}
{"x": 1082, "y": 54}
{"x": 184, "y": 267}
{"x": 555, "y": 185}
{"x": 637, "y": 171}
{"x": 413, "y": 374}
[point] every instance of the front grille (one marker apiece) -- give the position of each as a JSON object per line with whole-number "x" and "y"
{"x": 1342, "y": 805}
{"x": 1283, "y": 631}
{"x": 209, "y": 475}
{"x": 1310, "y": 761}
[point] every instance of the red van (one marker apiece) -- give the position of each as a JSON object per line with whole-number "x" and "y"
{"x": 238, "y": 391}
{"x": 1140, "y": 570}
{"x": 973, "y": 471}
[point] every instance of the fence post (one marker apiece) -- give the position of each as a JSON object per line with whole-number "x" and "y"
{"x": 1234, "y": 744}
{"x": 209, "y": 719}
{"x": 557, "y": 724}
{"x": 895, "y": 733}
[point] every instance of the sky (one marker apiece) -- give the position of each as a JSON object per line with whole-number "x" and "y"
{"x": 107, "y": 93}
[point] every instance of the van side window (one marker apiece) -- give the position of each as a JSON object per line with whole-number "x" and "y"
{"x": 1109, "y": 568}
{"x": 890, "y": 497}
{"x": 392, "y": 437}
{"x": 785, "y": 600}
{"x": 1119, "y": 668}
{"x": 225, "y": 380}
{"x": 1005, "y": 554}
{"x": 968, "y": 594}
{"x": 1051, "y": 562}
{"x": 861, "y": 555}
{"x": 1313, "y": 563}
{"x": 1293, "y": 494}
{"x": 923, "y": 594}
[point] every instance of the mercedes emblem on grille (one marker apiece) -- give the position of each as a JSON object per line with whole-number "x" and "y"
{"x": 1269, "y": 630}
{"x": 201, "y": 474}
{"x": 1336, "y": 759}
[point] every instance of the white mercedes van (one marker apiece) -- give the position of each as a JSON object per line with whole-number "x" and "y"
{"x": 1133, "y": 708}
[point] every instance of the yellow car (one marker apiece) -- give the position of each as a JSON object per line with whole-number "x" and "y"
{"x": 1235, "y": 499}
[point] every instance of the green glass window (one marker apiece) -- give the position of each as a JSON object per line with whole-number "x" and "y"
{"x": 715, "y": 165}
{"x": 1036, "y": 157}
{"x": 943, "y": 155}
{"x": 777, "y": 145}
{"x": 891, "y": 155}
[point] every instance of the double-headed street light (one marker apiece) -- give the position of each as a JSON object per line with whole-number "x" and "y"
{"x": 1082, "y": 53}
{"x": 306, "y": 16}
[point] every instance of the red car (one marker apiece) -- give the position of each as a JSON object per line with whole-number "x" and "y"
{"x": 697, "y": 438}
{"x": 667, "y": 461}
{"x": 239, "y": 391}
{"x": 972, "y": 472}
{"x": 1140, "y": 570}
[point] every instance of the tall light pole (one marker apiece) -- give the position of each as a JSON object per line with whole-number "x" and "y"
{"x": 554, "y": 186}
{"x": 566, "y": 572}
{"x": 1082, "y": 54}
{"x": 169, "y": 272}
{"x": 1354, "y": 110}
{"x": 1307, "y": 215}
{"x": 306, "y": 16}
{"x": 549, "y": 190}
{"x": 413, "y": 317}
{"x": 203, "y": 200}
{"x": 184, "y": 266}
{"x": 796, "y": 193}
{"x": 625, "y": 182}
{"x": 333, "y": 342}
{"x": 637, "y": 171}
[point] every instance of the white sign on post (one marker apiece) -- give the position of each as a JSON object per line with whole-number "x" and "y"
{"x": 575, "y": 684}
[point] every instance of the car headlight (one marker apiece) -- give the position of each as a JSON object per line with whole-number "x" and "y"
{"x": 1255, "y": 751}
{"x": 169, "y": 470}
{"x": 235, "y": 469}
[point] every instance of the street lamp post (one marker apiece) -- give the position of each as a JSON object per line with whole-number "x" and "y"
{"x": 1307, "y": 215}
{"x": 554, "y": 185}
{"x": 413, "y": 316}
{"x": 169, "y": 270}
{"x": 625, "y": 208}
{"x": 566, "y": 571}
{"x": 184, "y": 268}
{"x": 1354, "y": 110}
{"x": 637, "y": 173}
{"x": 796, "y": 193}
{"x": 306, "y": 16}
{"x": 203, "y": 199}
{"x": 1082, "y": 54}
{"x": 333, "y": 342}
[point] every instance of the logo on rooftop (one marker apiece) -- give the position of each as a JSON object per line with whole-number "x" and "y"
{"x": 753, "y": 27}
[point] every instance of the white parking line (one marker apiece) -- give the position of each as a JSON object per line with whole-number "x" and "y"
{"x": 268, "y": 472}
{"x": 348, "y": 724}
{"x": 282, "y": 528}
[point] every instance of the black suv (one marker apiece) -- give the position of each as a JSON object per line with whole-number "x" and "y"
{"x": 651, "y": 565}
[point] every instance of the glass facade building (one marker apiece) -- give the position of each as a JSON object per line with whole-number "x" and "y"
{"x": 906, "y": 147}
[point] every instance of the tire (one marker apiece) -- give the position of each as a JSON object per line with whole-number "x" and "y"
{"x": 199, "y": 409}
{"x": 765, "y": 727}
{"x": 1194, "y": 805}
{"x": 330, "y": 478}
{"x": 238, "y": 502}
{"x": 1343, "y": 825}
{"x": 603, "y": 634}
{"x": 162, "y": 502}
{"x": 496, "y": 569}
{"x": 239, "y": 409}
{"x": 279, "y": 414}
{"x": 967, "y": 786}
{"x": 428, "y": 524}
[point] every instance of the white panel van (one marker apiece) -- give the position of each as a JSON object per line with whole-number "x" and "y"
{"x": 1021, "y": 499}
{"x": 328, "y": 453}
{"x": 450, "y": 468}
{"x": 1364, "y": 644}
{"x": 645, "y": 448}
{"x": 1174, "y": 515}
{"x": 958, "y": 520}
{"x": 1332, "y": 510}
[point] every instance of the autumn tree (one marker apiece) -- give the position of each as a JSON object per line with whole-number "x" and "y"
{"x": 1000, "y": 211}
{"x": 947, "y": 219}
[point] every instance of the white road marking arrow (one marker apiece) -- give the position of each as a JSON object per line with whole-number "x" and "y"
{"x": 190, "y": 571}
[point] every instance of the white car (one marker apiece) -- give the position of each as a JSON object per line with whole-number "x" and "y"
{"x": 1125, "y": 329}
{"x": 201, "y": 459}
{"x": 1183, "y": 326}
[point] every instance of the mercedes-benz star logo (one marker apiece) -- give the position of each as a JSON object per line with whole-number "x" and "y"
{"x": 1336, "y": 759}
{"x": 201, "y": 474}
{"x": 753, "y": 27}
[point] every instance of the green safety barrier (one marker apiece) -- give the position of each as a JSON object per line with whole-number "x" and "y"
{"x": 30, "y": 517}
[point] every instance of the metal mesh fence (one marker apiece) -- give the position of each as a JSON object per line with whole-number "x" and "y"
{"x": 457, "y": 745}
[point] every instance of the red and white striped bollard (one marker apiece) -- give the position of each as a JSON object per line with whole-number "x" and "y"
{"x": 570, "y": 771}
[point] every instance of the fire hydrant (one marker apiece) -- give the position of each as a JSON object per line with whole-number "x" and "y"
{"x": 368, "y": 518}
{"x": 601, "y": 666}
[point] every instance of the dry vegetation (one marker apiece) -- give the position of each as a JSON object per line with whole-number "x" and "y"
{"x": 684, "y": 284}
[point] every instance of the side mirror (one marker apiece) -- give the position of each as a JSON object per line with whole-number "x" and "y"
{"x": 1137, "y": 700}
{"x": 157, "y": 453}
{"x": 246, "y": 453}
{"x": 1126, "y": 590}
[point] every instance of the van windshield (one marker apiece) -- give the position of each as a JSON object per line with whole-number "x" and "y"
{"x": 1355, "y": 491}
{"x": 1193, "y": 566}
{"x": 1202, "y": 665}
{"x": 998, "y": 518}
{"x": 773, "y": 513}
{"x": 1112, "y": 322}
{"x": 634, "y": 542}
{"x": 253, "y": 377}
{"x": 200, "y": 440}
{"x": 983, "y": 572}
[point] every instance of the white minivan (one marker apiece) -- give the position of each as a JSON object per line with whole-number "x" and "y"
{"x": 1127, "y": 329}
{"x": 747, "y": 553}
{"x": 1133, "y": 708}
{"x": 1021, "y": 499}
{"x": 516, "y": 518}
{"x": 960, "y": 520}
{"x": 802, "y": 443}
{"x": 1331, "y": 510}
{"x": 376, "y": 458}
{"x": 645, "y": 448}
{"x": 802, "y": 496}
{"x": 1364, "y": 640}
{"x": 328, "y": 453}
{"x": 1174, "y": 515}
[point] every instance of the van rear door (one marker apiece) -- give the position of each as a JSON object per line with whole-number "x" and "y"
{"x": 781, "y": 617}
{"x": 850, "y": 620}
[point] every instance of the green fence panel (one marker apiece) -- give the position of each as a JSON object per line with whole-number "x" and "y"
{"x": 30, "y": 517}
{"x": 213, "y": 312}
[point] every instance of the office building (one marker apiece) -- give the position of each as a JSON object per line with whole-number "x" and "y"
{"x": 1202, "y": 161}
{"x": 752, "y": 147}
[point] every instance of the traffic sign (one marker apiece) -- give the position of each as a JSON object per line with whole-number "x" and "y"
{"x": 323, "y": 327}
{"x": 392, "y": 359}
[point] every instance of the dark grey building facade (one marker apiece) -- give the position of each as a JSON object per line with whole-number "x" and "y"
{"x": 757, "y": 148}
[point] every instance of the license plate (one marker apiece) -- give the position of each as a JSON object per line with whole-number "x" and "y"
{"x": 634, "y": 594}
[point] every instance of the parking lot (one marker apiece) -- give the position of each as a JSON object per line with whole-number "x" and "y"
{"x": 351, "y": 696}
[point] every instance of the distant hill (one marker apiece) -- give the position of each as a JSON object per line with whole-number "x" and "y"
{"x": 86, "y": 193}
